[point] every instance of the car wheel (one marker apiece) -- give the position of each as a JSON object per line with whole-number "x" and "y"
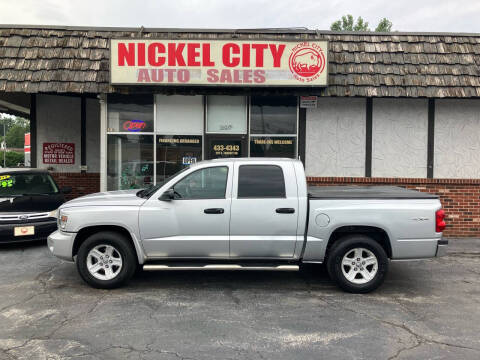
{"x": 106, "y": 260}
{"x": 357, "y": 263}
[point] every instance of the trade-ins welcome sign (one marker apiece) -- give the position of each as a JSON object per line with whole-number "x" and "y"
{"x": 215, "y": 62}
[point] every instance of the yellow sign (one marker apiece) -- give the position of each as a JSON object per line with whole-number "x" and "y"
{"x": 218, "y": 62}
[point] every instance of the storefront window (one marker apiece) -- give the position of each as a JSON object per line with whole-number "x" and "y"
{"x": 130, "y": 161}
{"x": 174, "y": 152}
{"x": 178, "y": 115}
{"x": 273, "y": 115}
{"x": 273, "y": 126}
{"x": 226, "y": 114}
{"x": 130, "y": 113}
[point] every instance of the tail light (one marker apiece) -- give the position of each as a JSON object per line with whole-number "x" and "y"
{"x": 440, "y": 221}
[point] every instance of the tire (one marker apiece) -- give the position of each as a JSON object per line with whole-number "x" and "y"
{"x": 353, "y": 275}
{"x": 118, "y": 263}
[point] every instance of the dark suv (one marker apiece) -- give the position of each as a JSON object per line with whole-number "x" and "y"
{"x": 29, "y": 199}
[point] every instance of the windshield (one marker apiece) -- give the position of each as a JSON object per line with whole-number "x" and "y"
{"x": 17, "y": 184}
{"x": 149, "y": 191}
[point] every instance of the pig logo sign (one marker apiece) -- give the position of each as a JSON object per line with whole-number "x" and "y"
{"x": 306, "y": 62}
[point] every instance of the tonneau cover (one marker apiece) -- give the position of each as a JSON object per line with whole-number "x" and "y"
{"x": 366, "y": 192}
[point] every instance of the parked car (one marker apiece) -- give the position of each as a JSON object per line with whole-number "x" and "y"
{"x": 29, "y": 199}
{"x": 248, "y": 214}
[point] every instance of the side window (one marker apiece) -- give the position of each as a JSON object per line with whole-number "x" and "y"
{"x": 261, "y": 181}
{"x": 208, "y": 183}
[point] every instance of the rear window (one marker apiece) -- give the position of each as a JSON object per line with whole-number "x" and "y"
{"x": 26, "y": 184}
{"x": 261, "y": 181}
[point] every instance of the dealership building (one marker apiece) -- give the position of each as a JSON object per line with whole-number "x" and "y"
{"x": 118, "y": 108}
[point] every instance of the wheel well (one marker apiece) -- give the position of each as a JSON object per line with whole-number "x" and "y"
{"x": 377, "y": 234}
{"x": 84, "y": 233}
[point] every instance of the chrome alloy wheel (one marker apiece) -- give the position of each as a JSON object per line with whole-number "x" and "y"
{"x": 104, "y": 262}
{"x": 359, "y": 266}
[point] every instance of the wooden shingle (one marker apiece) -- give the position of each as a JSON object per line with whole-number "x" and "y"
{"x": 43, "y": 59}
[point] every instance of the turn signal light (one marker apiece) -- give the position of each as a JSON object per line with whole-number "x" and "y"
{"x": 440, "y": 221}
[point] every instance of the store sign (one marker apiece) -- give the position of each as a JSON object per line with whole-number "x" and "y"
{"x": 308, "y": 102}
{"x": 218, "y": 62}
{"x": 58, "y": 153}
{"x": 134, "y": 125}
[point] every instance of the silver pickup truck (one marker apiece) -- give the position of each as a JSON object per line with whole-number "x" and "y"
{"x": 248, "y": 214}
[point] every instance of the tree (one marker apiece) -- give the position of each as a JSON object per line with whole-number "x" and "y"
{"x": 348, "y": 24}
{"x": 384, "y": 25}
{"x": 15, "y": 137}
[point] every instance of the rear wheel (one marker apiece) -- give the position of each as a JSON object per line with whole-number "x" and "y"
{"x": 357, "y": 263}
{"x": 106, "y": 260}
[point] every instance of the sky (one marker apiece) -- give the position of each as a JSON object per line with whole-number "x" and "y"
{"x": 406, "y": 15}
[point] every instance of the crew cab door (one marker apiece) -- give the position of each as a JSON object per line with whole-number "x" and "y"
{"x": 264, "y": 210}
{"x": 195, "y": 224}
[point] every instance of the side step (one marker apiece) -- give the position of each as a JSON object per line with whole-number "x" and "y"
{"x": 160, "y": 267}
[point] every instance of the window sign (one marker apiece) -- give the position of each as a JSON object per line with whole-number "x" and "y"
{"x": 174, "y": 152}
{"x": 226, "y": 114}
{"x": 134, "y": 125}
{"x": 225, "y": 148}
{"x": 273, "y": 147}
{"x": 6, "y": 181}
{"x": 130, "y": 113}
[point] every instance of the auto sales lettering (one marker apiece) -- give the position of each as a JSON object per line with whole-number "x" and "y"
{"x": 229, "y": 63}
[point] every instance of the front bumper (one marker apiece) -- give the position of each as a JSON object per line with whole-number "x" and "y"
{"x": 442, "y": 245}
{"x": 41, "y": 231}
{"x": 60, "y": 244}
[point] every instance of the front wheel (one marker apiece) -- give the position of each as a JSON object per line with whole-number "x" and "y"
{"x": 106, "y": 260}
{"x": 357, "y": 263}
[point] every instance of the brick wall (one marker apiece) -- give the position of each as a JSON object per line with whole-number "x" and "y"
{"x": 82, "y": 184}
{"x": 460, "y": 198}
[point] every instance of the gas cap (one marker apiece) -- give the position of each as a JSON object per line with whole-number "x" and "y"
{"x": 322, "y": 220}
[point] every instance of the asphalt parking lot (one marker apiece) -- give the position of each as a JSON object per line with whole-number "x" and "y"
{"x": 425, "y": 310}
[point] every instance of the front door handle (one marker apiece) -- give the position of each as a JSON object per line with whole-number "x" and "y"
{"x": 214, "y": 211}
{"x": 285, "y": 210}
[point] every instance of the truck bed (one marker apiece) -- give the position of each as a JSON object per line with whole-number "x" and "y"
{"x": 366, "y": 192}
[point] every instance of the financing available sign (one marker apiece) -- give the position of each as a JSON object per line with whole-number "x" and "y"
{"x": 218, "y": 62}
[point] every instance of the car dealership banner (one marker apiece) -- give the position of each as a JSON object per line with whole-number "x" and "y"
{"x": 218, "y": 62}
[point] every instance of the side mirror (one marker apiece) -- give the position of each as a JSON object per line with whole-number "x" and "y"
{"x": 66, "y": 190}
{"x": 168, "y": 195}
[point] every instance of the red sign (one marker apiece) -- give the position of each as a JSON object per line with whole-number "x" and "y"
{"x": 58, "y": 153}
{"x": 134, "y": 125}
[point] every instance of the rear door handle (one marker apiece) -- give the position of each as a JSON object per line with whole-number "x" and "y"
{"x": 214, "y": 211}
{"x": 285, "y": 210}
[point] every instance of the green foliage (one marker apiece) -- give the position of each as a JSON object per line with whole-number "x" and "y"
{"x": 346, "y": 23}
{"x": 15, "y": 129}
{"x": 384, "y": 25}
{"x": 12, "y": 158}
{"x": 15, "y": 137}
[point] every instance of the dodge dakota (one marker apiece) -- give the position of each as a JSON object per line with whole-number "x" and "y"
{"x": 248, "y": 214}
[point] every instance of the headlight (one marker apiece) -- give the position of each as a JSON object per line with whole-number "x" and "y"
{"x": 53, "y": 213}
{"x": 62, "y": 220}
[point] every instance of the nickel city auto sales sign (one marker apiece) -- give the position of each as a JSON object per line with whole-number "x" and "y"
{"x": 218, "y": 62}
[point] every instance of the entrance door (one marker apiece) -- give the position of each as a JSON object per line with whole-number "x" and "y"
{"x": 225, "y": 146}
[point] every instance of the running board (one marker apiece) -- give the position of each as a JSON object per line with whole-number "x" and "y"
{"x": 160, "y": 267}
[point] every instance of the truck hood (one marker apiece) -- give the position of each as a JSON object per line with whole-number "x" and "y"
{"x": 108, "y": 198}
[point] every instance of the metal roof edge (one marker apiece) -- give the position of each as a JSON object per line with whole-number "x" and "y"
{"x": 298, "y": 30}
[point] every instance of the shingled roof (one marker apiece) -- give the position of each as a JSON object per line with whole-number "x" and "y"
{"x": 76, "y": 60}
